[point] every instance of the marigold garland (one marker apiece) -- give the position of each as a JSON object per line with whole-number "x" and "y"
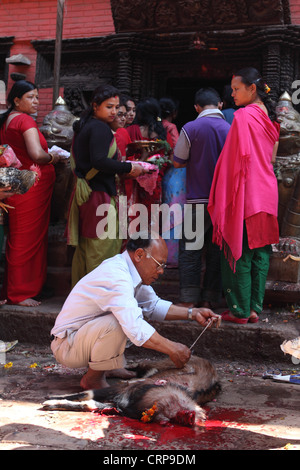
{"x": 8, "y": 365}
{"x": 147, "y": 415}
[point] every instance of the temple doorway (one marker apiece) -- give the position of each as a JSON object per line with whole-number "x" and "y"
{"x": 184, "y": 89}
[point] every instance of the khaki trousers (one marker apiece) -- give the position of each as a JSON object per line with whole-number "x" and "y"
{"x": 99, "y": 344}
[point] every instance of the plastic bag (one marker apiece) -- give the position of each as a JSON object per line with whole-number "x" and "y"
{"x": 8, "y": 157}
{"x": 59, "y": 151}
{"x": 148, "y": 180}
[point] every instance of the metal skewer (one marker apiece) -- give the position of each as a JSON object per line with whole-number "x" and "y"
{"x": 208, "y": 324}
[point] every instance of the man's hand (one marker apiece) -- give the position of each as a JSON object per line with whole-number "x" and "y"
{"x": 204, "y": 315}
{"x": 177, "y": 352}
{"x": 180, "y": 355}
{"x": 201, "y": 315}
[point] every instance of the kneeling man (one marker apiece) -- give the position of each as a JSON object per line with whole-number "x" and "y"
{"x": 107, "y": 307}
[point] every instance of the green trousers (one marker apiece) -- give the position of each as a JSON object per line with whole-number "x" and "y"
{"x": 244, "y": 289}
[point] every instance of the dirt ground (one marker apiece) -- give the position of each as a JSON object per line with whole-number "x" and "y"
{"x": 250, "y": 413}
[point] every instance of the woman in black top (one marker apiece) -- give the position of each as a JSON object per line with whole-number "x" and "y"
{"x": 94, "y": 227}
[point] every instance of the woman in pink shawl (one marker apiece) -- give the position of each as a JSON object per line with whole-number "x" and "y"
{"x": 243, "y": 201}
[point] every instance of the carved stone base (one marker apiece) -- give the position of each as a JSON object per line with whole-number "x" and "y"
{"x": 283, "y": 268}
{"x": 285, "y": 271}
{"x": 283, "y": 283}
{"x": 59, "y": 260}
{"x": 282, "y": 293}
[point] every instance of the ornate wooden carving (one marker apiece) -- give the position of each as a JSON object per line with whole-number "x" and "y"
{"x": 271, "y": 68}
{"x": 141, "y": 63}
{"x": 124, "y": 72}
{"x": 186, "y": 15}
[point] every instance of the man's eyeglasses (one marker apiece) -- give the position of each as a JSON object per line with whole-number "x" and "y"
{"x": 159, "y": 265}
{"x": 121, "y": 115}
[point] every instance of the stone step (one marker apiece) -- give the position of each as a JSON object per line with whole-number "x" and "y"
{"x": 256, "y": 342}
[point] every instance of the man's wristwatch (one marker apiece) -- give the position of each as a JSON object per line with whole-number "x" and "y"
{"x": 190, "y": 313}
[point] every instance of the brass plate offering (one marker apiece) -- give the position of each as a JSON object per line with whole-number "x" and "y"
{"x": 143, "y": 149}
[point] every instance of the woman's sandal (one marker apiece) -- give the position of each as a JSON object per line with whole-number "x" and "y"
{"x": 227, "y": 316}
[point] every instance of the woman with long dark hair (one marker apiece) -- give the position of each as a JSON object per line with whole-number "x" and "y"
{"x": 148, "y": 122}
{"x": 243, "y": 201}
{"x": 96, "y": 163}
{"x": 27, "y": 241}
{"x": 148, "y": 126}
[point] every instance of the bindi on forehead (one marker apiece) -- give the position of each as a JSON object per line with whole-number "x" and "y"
{"x": 114, "y": 100}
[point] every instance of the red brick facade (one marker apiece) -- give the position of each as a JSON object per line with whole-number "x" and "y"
{"x": 295, "y": 11}
{"x": 30, "y": 20}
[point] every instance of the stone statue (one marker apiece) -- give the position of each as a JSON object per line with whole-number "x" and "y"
{"x": 58, "y": 126}
{"x": 284, "y": 272}
{"x": 288, "y": 167}
{"x": 289, "y": 120}
{"x": 57, "y": 129}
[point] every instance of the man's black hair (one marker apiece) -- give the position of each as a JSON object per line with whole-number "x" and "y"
{"x": 206, "y": 97}
{"x": 140, "y": 240}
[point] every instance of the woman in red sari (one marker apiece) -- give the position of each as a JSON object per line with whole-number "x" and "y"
{"x": 27, "y": 241}
{"x": 243, "y": 201}
{"x": 148, "y": 126}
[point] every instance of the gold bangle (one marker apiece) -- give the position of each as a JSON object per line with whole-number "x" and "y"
{"x": 51, "y": 159}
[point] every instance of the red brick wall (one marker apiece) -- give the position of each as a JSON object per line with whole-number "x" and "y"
{"x": 295, "y": 11}
{"x": 36, "y": 19}
{"x": 28, "y": 20}
{"x": 45, "y": 102}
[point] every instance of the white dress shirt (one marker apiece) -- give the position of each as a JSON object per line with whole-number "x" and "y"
{"x": 113, "y": 287}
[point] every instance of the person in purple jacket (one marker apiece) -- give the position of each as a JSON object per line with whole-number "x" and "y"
{"x": 198, "y": 148}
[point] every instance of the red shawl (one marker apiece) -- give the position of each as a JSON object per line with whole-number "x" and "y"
{"x": 244, "y": 182}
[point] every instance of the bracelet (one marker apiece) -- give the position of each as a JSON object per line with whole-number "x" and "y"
{"x": 52, "y": 159}
{"x": 190, "y": 314}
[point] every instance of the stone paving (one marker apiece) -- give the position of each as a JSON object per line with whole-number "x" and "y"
{"x": 250, "y": 414}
